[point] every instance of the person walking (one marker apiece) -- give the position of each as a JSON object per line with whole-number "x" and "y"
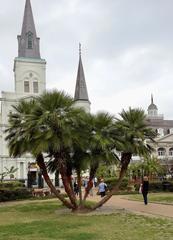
{"x": 95, "y": 182}
{"x": 76, "y": 188}
{"x": 145, "y": 188}
{"x": 102, "y": 188}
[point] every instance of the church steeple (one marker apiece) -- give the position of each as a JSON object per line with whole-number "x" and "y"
{"x": 29, "y": 68}
{"x": 28, "y": 43}
{"x": 81, "y": 88}
{"x": 81, "y": 94}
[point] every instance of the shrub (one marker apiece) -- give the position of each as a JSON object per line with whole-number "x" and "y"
{"x": 9, "y": 195}
{"x": 11, "y": 184}
{"x": 112, "y": 181}
{"x": 167, "y": 186}
{"x": 158, "y": 186}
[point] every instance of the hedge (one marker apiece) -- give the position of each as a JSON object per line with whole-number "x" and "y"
{"x": 112, "y": 181}
{"x": 158, "y": 186}
{"x": 153, "y": 186}
{"x": 11, "y": 184}
{"x": 9, "y": 195}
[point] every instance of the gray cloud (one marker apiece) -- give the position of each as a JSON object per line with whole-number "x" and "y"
{"x": 127, "y": 48}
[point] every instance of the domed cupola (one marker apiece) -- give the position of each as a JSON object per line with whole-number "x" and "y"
{"x": 152, "y": 108}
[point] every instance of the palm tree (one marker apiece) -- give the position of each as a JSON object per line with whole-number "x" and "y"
{"x": 130, "y": 133}
{"x": 100, "y": 144}
{"x": 61, "y": 138}
{"x": 41, "y": 127}
{"x": 91, "y": 146}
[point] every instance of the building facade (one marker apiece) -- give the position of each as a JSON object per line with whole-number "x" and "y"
{"x": 164, "y": 141}
{"x": 30, "y": 80}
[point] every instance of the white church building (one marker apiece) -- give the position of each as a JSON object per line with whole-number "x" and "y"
{"x": 30, "y": 80}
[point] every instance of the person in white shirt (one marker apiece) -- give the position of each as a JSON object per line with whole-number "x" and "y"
{"x": 102, "y": 188}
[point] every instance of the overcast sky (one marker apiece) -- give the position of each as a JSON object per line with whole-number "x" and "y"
{"x": 127, "y": 49}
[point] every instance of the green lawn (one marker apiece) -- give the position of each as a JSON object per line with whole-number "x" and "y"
{"x": 41, "y": 221}
{"x": 154, "y": 197}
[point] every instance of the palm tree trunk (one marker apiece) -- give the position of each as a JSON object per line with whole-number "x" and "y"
{"x": 125, "y": 160}
{"x": 80, "y": 188}
{"x": 88, "y": 188}
{"x": 90, "y": 182}
{"x": 41, "y": 164}
{"x": 67, "y": 185}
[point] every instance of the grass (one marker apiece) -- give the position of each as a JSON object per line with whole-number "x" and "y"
{"x": 154, "y": 197}
{"x": 41, "y": 221}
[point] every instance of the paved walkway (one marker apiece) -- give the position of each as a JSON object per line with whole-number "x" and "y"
{"x": 120, "y": 202}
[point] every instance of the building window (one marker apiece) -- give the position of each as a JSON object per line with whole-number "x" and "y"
{"x": 161, "y": 132}
{"x": 171, "y": 130}
{"x": 161, "y": 151}
{"x": 30, "y": 40}
{"x": 21, "y": 170}
{"x": 171, "y": 152}
{"x": 26, "y": 86}
{"x": 35, "y": 87}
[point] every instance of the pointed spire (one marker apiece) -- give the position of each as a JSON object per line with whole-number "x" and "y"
{"x": 28, "y": 41}
{"x": 81, "y": 88}
{"x": 152, "y": 99}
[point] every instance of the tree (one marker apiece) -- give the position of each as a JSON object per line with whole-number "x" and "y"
{"x": 100, "y": 143}
{"x": 149, "y": 166}
{"x": 130, "y": 132}
{"x": 40, "y": 127}
{"x": 8, "y": 172}
{"x": 63, "y": 138}
{"x": 93, "y": 146}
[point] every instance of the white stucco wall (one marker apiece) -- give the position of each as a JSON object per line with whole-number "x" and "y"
{"x": 83, "y": 104}
{"x": 34, "y": 70}
{"x": 30, "y": 70}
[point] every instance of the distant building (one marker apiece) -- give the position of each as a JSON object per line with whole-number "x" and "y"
{"x": 164, "y": 141}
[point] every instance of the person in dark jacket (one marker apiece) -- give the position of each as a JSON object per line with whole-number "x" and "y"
{"x": 76, "y": 188}
{"x": 145, "y": 187}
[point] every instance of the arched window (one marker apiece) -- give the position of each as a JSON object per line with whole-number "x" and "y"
{"x": 35, "y": 86}
{"x": 161, "y": 132}
{"x": 161, "y": 151}
{"x": 168, "y": 131}
{"x": 26, "y": 86}
{"x": 30, "y": 40}
{"x": 171, "y": 152}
